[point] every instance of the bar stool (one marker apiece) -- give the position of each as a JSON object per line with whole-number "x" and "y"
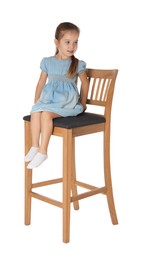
{"x": 101, "y": 89}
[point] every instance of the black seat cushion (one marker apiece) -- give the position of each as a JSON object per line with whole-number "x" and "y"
{"x": 83, "y": 119}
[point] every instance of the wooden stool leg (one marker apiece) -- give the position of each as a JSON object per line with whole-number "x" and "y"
{"x": 28, "y": 176}
{"x": 67, "y": 171}
{"x": 107, "y": 173}
{"x": 28, "y": 182}
{"x": 73, "y": 177}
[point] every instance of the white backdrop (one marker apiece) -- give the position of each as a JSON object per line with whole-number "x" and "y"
{"x": 111, "y": 37}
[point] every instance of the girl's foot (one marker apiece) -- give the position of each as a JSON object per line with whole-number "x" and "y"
{"x": 31, "y": 154}
{"x": 37, "y": 160}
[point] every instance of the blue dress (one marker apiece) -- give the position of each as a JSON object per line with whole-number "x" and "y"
{"x": 60, "y": 94}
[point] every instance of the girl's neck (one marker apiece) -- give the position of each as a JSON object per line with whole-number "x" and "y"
{"x": 61, "y": 57}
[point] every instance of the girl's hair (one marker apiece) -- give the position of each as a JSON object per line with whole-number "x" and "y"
{"x": 59, "y": 33}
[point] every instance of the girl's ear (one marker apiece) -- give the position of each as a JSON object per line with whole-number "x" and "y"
{"x": 56, "y": 42}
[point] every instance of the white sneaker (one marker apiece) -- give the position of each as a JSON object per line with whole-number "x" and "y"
{"x": 31, "y": 154}
{"x": 37, "y": 160}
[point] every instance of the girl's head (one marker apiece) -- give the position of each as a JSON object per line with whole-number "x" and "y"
{"x": 66, "y": 40}
{"x": 64, "y": 28}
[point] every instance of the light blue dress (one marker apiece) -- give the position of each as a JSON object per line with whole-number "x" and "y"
{"x": 60, "y": 94}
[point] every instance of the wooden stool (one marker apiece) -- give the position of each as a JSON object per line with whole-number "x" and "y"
{"x": 101, "y": 89}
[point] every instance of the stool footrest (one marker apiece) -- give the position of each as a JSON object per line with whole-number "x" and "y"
{"x": 85, "y": 185}
{"x": 93, "y": 191}
{"x": 45, "y": 183}
{"x": 88, "y": 194}
{"x": 46, "y": 199}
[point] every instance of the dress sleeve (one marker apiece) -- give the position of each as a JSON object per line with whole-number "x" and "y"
{"x": 43, "y": 65}
{"x": 81, "y": 66}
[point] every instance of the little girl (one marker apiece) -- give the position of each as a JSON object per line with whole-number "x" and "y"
{"x": 59, "y": 97}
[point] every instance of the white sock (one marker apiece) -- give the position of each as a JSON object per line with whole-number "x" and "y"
{"x": 37, "y": 160}
{"x": 31, "y": 154}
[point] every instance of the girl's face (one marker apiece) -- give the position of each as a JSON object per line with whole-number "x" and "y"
{"x": 67, "y": 45}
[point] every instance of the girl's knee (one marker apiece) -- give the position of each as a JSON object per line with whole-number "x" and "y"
{"x": 49, "y": 115}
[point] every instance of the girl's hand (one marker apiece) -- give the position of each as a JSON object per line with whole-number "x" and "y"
{"x": 84, "y": 106}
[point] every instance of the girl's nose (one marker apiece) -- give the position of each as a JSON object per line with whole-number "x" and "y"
{"x": 72, "y": 45}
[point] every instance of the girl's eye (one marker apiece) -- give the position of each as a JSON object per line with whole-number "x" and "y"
{"x": 67, "y": 42}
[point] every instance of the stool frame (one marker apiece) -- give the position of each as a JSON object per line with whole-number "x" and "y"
{"x": 68, "y": 179}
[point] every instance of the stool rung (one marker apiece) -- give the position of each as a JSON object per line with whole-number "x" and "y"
{"x": 45, "y": 183}
{"x": 46, "y": 199}
{"x": 88, "y": 194}
{"x": 85, "y": 185}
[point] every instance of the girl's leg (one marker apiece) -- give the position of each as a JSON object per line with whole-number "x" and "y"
{"x": 46, "y": 131}
{"x": 35, "y": 133}
{"x": 35, "y": 128}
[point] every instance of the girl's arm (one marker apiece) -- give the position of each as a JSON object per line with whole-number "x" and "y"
{"x": 40, "y": 85}
{"x": 84, "y": 88}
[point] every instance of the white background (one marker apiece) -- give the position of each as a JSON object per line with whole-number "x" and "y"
{"x": 111, "y": 37}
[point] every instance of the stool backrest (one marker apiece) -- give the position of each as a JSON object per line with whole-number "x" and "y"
{"x": 101, "y": 87}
